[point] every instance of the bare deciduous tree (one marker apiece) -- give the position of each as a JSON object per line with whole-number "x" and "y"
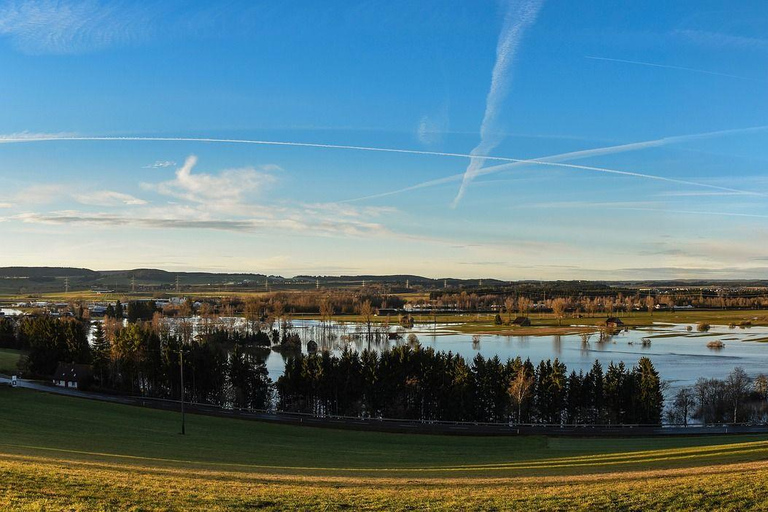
{"x": 519, "y": 390}
{"x": 509, "y": 305}
{"x": 558, "y": 307}
{"x": 366, "y": 311}
{"x": 524, "y": 306}
{"x": 682, "y": 406}
{"x": 737, "y": 387}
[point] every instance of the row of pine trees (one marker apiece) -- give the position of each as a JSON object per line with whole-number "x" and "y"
{"x": 423, "y": 384}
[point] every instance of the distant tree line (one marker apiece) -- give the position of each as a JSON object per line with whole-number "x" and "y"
{"x": 222, "y": 366}
{"x": 588, "y": 305}
{"x": 422, "y": 384}
{"x": 738, "y": 398}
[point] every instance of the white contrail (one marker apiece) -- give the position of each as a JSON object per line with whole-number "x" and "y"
{"x": 666, "y": 66}
{"x": 512, "y": 162}
{"x": 693, "y": 212}
{"x": 519, "y": 16}
{"x": 59, "y": 138}
{"x": 574, "y": 155}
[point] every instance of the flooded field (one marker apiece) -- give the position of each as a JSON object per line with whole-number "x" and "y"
{"x": 681, "y": 356}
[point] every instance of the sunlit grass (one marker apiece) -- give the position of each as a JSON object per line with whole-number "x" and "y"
{"x": 65, "y": 453}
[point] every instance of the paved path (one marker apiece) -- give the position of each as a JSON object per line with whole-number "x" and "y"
{"x": 401, "y": 426}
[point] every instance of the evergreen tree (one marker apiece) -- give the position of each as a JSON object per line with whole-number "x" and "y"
{"x": 101, "y": 354}
{"x": 650, "y": 398}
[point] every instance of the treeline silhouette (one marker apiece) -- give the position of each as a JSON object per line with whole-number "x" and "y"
{"x": 221, "y": 366}
{"x": 423, "y": 384}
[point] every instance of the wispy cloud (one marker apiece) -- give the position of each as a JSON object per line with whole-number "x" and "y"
{"x": 697, "y": 193}
{"x": 44, "y": 193}
{"x": 278, "y": 220}
{"x": 433, "y": 126}
{"x": 229, "y": 186}
{"x": 68, "y": 26}
{"x": 519, "y": 16}
{"x": 160, "y": 164}
{"x": 697, "y": 213}
{"x": 109, "y": 198}
{"x": 722, "y": 40}
{"x": 41, "y": 193}
{"x": 667, "y": 66}
{"x": 430, "y": 130}
{"x": 694, "y": 272}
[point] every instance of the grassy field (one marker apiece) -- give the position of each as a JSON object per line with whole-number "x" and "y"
{"x": 59, "y": 453}
{"x": 8, "y": 360}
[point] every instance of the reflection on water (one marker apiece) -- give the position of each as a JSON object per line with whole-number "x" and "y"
{"x": 680, "y": 356}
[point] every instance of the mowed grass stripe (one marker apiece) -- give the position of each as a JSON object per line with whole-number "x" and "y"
{"x": 28, "y": 485}
{"x": 759, "y": 449}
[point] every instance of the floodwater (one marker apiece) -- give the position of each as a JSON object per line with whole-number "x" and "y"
{"x": 680, "y": 356}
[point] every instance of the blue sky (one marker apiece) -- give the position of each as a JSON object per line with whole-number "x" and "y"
{"x": 647, "y": 120}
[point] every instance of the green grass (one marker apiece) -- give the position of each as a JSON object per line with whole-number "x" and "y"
{"x": 60, "y": 453}
{"x": 9, "y": 358}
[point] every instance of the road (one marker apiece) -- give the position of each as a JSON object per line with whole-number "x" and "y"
{"x": 391, "y": 425}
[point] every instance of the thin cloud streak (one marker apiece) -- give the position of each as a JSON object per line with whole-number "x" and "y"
{"x": 518, "y": 18}
{"x": 666, "y": 66}
{"x": 543, "y": 161}
{"x": 291, "y": 222}
{"x": 720, "y": 40}
{"x": 691, "y": 212}
{"x": 588, "y": 153}
{"x": 66, "y": 27}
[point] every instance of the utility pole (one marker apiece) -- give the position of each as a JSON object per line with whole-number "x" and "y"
{"x": 66, "y": 285}
{"x": 181, "y": 364}
{"x": 133, "y": 284}
{"x": 177, "y": 284}
{"x": 317, "y": 284}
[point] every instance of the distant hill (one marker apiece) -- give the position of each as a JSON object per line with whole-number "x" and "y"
{"x": 30, "y": 280}
{"x": 38, "y": 272}
{"x": 34, "y": 280}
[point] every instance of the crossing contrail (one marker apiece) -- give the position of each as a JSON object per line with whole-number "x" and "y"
{"x": 554, "y": 160}
{"x": 551, "y": 161}
{"x": 12, "y": 139}
{"x": 519, "y": 16}
{"x": 678, "y": 68}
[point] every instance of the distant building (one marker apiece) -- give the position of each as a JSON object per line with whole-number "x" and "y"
{"x": 522, "y": 321}
{"x": 98, "y": 310}
{"x": 74, "y": 376}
